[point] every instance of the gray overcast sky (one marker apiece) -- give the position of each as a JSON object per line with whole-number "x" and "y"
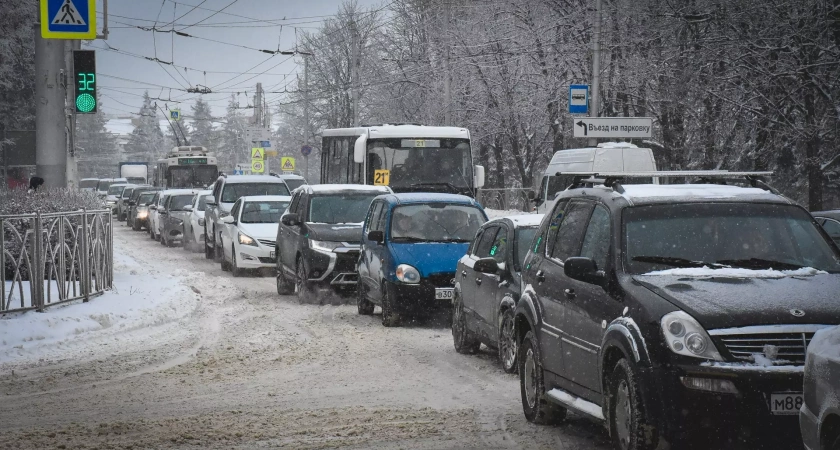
{"x": 120, "y": 96}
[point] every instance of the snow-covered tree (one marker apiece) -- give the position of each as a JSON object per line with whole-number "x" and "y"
{"x": 201, "y": 129}
{"x": 232, "y": 148}
{"x": 147, "y": 142}
{"x": 17, "y": 66}
{"x": 96, "y": 147}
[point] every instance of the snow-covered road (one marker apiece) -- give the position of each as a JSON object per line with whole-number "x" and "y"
{"x": 185, "y": 355}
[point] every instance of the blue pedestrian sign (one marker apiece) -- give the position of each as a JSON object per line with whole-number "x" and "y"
{"x": 578, "y": 99}
{"x": 68, "y": 19}
{"x": 265, "y": 144}
{"x": 305, "y": 150}
{"x": 175, "y": 114}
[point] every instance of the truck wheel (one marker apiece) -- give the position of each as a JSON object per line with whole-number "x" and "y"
{"x": 208, "y": 250}
{"x": 507, "y": 341}
{"x": 464, "y": 340}
{"x": 363, "y": 305}
{"x": 628, "y": 419}
{"x": 390, "y": 318}
{"x": 532, "y": 385}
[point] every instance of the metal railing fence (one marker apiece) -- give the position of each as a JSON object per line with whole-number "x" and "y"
{"x": 505, "y": 199}
{"x": 49, "y": 259}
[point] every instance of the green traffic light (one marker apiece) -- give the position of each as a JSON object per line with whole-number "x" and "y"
{"x": 85, "y": 103}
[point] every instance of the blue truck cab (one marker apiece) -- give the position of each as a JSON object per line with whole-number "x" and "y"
{"x": 411, "y": 244}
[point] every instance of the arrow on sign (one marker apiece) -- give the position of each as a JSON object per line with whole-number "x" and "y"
{"x": 582, "y": 124}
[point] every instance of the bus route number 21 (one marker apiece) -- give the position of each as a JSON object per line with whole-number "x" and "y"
{"x": 381, "y": 177}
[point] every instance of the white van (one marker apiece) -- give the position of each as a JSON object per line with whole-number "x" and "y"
{"x": 607, "y": 157}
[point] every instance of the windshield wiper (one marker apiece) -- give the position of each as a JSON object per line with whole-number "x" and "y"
{"x": 676, "y": 262}
{"x": 409, "y": 239}
{"x": 448, "y": 185}
{"x": 759, "y": 263}
{"x": 452, "y": 240}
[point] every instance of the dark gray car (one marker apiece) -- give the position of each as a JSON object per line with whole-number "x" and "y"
{"x": 819, "y": 417}
{"x": 175, "y": 212}
{"x": 830, "y": 221}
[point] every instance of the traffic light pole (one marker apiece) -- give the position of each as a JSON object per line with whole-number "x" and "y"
{"x": 50, "y": 138}
{"x": 70, "y": 113}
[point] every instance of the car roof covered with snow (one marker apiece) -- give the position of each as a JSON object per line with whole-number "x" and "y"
{"x": 265, "y": 198}
{"x": 644, "y": 194}
{"x": 521, "y": 220}
{"x": 339, "y": 188}
{"x": 429, "y": 197}
{"x": 236, "y": 179}
{"x": 178, "y": 192}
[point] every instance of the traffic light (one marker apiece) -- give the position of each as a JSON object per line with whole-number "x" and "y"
{"x": 84, "y": 71}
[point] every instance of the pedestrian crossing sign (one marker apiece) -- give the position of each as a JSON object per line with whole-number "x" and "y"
{"x": 287, "y": 164}
{"x": 258, "y": 153}
{"x": 68, "y": 19}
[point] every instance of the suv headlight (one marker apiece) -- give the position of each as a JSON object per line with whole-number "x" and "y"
{"x": 408, "y": 274}
{"x": 244, "y": 239}
{"x": 685, "y": 336}
{"x": 324, "y": 246}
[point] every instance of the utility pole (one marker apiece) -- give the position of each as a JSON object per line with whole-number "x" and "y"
{"x": 355, "y": 71}
{"x": 596, "y": 68}
{"x": 70, "y": 112}
{"x": 259, "y": 113}
{"x": 307, "y": 131}
{"x": 50, "y": 138}
{"x": 447, "y": 80}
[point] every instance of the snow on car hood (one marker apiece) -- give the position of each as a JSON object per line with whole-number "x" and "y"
{"x": 259, "y": 230}
{"x": 430, "y": 257}
{"x": 728, "y": 301}
{"x": 734, "y": 272}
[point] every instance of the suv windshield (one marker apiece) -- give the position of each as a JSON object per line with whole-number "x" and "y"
{"x": 263, "y": 212}
{"x": 340, "y": 208}
{"x": 742, "y": 235}
{"x": 178, "y": 202}
{"x": 233, "y": 191}
{"x": 435, "y": 222}
{"x": 127, "y": 192}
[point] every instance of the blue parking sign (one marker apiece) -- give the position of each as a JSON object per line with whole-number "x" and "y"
{"x": 68, "y": 19}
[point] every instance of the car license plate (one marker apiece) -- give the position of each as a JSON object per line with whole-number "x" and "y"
{"x": 785, "y": 403}
{"x": 444, "y": 294}
{"x": 271, "y": 255}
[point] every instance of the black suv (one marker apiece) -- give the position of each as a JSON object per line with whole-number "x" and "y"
{"x": 319, "y": 236}
{"x": 669, "y": 310}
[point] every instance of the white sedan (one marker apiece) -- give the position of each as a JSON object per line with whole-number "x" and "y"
{"x": 250, "y": 231}
{"x": 194, "y": 225}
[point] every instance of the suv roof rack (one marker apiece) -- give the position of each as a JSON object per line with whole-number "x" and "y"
{"x": 613, "y": 179}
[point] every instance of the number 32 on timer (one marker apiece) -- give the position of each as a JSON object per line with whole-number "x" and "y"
{"x": 86, "y": 80}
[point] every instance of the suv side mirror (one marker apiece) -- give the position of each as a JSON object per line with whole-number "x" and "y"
{"x": 532, "y": 195}
{"x": 290, "y": 220}
{"x": 188, "y": 208}
{"x": 130, "y": 203}
{"x": 486, "y": 265}
{"x": 377, "y": 236}
{"x": 162, "y": 211}
{"x": 211, "y": 203}
{"x": 228, "y": 219}
{"x": 153, "y": 207}
{"x": 583, "y": 269}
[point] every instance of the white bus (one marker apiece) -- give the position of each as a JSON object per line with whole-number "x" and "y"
{"x": 186, "y": 167}
{"x": 408, "y": 158}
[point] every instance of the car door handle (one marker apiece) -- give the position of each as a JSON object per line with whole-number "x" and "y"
{"x": 540, "y": 276}
{"x": 478, "y": 281}
{"x": 570, "y": 293}
{"x": 463, "y": 274}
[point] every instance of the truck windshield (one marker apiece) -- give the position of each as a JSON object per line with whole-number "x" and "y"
{"x": 435, "y": 222}
{"x": 740, "y": 235}
{"x": 340, "y": 208}
{"x": 421, "y": 164}
{"x": 88, "y": 184}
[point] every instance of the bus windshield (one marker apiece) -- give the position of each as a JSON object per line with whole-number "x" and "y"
{"x": 192, "y": 176}
{"x": 421, "y": 163}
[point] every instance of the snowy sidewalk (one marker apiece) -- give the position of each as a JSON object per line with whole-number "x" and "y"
{"x": 142, "y": 298}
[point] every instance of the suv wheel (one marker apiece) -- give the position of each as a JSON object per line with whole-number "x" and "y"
{"x": 302, "y": 288}
{"x": 135, "y": 225}
{"x": 507, "y": 341}
{"x": 364, "y": 306}
{"x": 532, "y": 385}
{"x": 284, "y": 287}
{"x": 235, "y": 270}
{"x": 152, "y": 233}
{"x": 464, "y": 340}
{"x": 390, "y": 318}
{"x": 208, "y": 250}
{"x": 224, "y": 264}
{"x": 628, "y": 421}
{"x": 218, "y": 250}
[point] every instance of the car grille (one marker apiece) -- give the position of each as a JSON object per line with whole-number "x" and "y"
{"x": 346, "y": 262}
{"x": 442, "y": 280}
{"x": 267, "y": 242}
{"x": 782, "y": 348}
{"x": 268, "y": 260}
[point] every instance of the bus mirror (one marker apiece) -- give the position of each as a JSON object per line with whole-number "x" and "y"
{"x": 359, "y": 149}
{"x": 479, "y": 177}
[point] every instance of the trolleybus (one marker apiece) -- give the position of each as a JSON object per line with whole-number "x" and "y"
{"x": 186, "y": 167}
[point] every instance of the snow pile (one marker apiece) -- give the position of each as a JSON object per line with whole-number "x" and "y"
{"x": 141, "y": 298}
{"x": 497, "y": 213}
{"x": 732, "y": 272}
